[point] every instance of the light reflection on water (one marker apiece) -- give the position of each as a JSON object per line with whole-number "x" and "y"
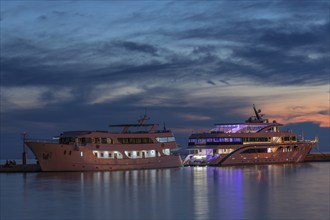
{"x": 291, "y": 191}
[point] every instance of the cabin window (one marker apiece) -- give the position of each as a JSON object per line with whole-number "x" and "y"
{"x": 104, "y": 141}
{"x": 286, "y": 138}
{"x": 254, "y": 151}
{"x": 166, "y": 151}
{"x": 135, "y": 140}
{"x": 165, "y": 139}
{"x": 82, "y": 141}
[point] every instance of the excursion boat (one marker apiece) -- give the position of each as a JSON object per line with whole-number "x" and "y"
{"x": 134, "y": 146}
{"x": 257, "y": 141}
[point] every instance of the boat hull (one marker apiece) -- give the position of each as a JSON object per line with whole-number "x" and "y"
{"x": 51, "y": 158}
{"x": 237, "y": 157}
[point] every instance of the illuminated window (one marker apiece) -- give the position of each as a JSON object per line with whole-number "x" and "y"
{"x": 166, "y": 151}
{"x": 165, "y": 139}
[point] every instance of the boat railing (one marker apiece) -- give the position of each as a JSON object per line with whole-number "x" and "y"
{"x": 53, "y": 141}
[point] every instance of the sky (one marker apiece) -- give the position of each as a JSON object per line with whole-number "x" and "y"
{"x": 83, "y": 65}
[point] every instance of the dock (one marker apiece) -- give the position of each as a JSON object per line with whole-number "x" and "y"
{"x": 20, "y": 168}
{"x": 318, "y": 157}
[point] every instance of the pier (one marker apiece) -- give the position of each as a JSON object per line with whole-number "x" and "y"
{"x": 21, "y": 168}
{"x": 318, "y": 157}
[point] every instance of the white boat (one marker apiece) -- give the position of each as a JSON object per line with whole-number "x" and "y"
{"x": 256, "y": 141}
{"x": 136, "y": 146}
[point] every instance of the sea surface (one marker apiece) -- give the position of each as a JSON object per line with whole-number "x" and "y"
{"x": 289, "y": 191}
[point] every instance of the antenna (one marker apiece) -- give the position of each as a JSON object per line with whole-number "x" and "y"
{"x": 24, "y": 153}
{"x": 143, "y": 118}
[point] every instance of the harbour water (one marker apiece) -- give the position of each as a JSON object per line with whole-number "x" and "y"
{"x": 287, "y": 191}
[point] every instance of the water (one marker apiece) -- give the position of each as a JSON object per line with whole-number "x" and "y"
{"x": 290, "y": 191}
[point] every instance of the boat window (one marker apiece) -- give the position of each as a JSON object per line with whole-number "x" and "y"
{"x": 147, "y": 141}
{"x": 254, "y": 150}
{"x": 123, "y": 140}
{"x": 216, "y": 141}
{"x": 237, "y": 128}
{"x": 88, "y": 140}
{"x": 97, "y": 140}
{"x": 166, "y": 151}
{"x": 152, "y": 153}
{"x": 257, "y": 139}
{"x": 135, "y": 140}
{"x": 104, "y": 141}
{"x": 286, "y": 138}
{"x": 165, "y": 139}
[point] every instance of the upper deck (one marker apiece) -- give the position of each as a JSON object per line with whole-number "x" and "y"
{"x": 245, "y": 127}
{"x": 254, "y": 124}
{"x": 137, "y": 128}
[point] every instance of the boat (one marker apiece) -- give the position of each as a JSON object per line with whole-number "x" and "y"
{"x": 255, "y": 141}
{"x": 125, "y": 147}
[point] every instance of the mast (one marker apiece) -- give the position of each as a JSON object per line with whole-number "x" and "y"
{"x": 24, "y": 155}
{"x": 258, "y": 117}
{"x": 257, "y": 112}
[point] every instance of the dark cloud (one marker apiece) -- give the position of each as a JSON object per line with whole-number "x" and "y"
{"x": 279, "y": 67}
{"x": 317, "y": 35}
{"x": 138, "y": 47}
{"x": 325, "y": 112}
{"x": 211, "y": 82}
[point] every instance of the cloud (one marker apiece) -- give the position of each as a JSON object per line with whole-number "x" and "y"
{"x": 30, "y": 97}
{"x": 194, "y": 117}
{"x": 107, "y": 93}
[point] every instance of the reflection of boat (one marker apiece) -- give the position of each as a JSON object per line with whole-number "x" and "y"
{"x": 136, "y": 146}
{"x": 257, "y": 141}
